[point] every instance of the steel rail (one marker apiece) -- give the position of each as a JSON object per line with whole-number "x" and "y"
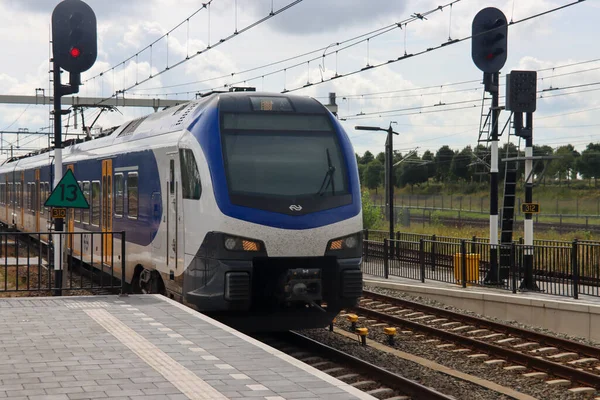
{"x": 491, "y": 325}
{"x": 533, "y": 362}
{"x": 411, "y": 388}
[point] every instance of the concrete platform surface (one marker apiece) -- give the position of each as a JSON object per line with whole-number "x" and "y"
{"x": 577, "y": 317}
{"x": 142, "y": 347}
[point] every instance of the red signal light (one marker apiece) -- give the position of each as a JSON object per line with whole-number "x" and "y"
{"x": 75, "y": 52}
{"x": 490, "y": 56}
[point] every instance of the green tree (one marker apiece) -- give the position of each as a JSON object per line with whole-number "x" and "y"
{"x": 460, "y": 167}
{"x": 412, "y": 172}
{"x": 588, "y": 165}
{"x": 538, "y": 166}
{"x": 367, "y": 158}
{"x": 373, "y": 175}
{"x": 372, "y": 215}
{"x": 361, "y": 173}
{"x": 564, "y": 167}
{"x": 443, "y": 159}
{"x": 428, "y": 159}
{"x": 381, "y": 158}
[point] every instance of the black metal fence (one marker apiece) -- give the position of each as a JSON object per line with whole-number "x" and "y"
{"x": 91, "y": 262}
{"x": 559, "y": 267}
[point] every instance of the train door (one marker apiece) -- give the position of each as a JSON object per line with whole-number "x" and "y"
{"x": 172, "y": 214}
{"x": 70, "y": 218}
{"x": 7, "y": 199}
{"x": 22, "y": 201}
{"x": 106, "y": 211}
{"x": 36, "y": 200}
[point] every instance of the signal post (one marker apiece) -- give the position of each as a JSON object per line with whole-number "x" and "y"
{"x": 521, "y": 95}
{"x": 74, "y": 49}
{"x": 489, "y": 53}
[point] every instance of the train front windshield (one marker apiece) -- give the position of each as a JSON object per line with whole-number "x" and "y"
{"x": 278, "y": 161}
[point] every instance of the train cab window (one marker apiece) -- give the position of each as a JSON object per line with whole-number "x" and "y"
{"x": 3, "y": 193}
{"x": 96, "y": 203}
{"x": 119, "y": 194}
{"x": 86, "y": 212}
{"x": 190, "y": 177}
{"x": 132, "y": 195}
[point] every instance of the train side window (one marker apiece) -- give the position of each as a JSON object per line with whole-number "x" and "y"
{"x": 19, "y": 195}
{"x": 37, "y": 197}
{"x": 119, "y": 195}
{"x": 96, "y": 203}
{"x": 190, "y": 177}
{"x": 46, "y": 194}
{"x": 3, "y": 193}
{"x": 30, "y": 196}
{"x": 86, "y": 193}
{"x": 10, "y": 189}
{"x": 132, "y": 195}
{"x": 77, "y": 212}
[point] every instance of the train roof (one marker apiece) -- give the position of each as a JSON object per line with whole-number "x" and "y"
{"x": 174, "y": 119}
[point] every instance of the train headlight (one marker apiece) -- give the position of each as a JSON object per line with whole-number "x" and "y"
{"x": 233, "y": 243}
{"x": 346, "y": 243}
{"x": 350, "y": 242}
{"x": 230, "y": 243}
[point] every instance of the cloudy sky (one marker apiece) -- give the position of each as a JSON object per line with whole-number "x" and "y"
{"x": 437, "y": 94}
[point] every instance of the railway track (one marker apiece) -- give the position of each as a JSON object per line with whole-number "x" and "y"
{"x": 481, "y": 223}
{"x": 575, "y": 363}
{"x": 373, "y": 380}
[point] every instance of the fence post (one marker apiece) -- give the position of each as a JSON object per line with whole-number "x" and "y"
{"x": 366, "y": 245}
{"x": 123, "y": 263}
{"x": 433, "y": 249}
{"x": 473, "y": 245}
{"x": 422, "y": 258}
{"x": 513, "y": 267}
{"x": 463, "y": 267}
{"x": 575, "y": 264}
{"x": 385, "y": 258}
{"x": 397, "y": 246}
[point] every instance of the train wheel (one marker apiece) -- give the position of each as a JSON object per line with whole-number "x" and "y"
{"x": 149, "y": 282}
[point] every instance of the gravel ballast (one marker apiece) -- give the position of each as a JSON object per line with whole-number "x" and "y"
{"x": 415, "y": 345}
{"x": 408, "y": 369}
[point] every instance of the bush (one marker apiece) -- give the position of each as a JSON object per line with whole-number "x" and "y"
{"x": 372, "y": 215}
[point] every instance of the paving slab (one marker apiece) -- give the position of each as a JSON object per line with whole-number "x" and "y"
{"x": 143, "y": 346}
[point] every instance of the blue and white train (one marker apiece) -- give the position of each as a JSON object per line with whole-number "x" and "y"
{"x": 243, "y": 205}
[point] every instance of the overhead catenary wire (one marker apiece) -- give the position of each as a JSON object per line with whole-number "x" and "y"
{"x": 166, "y": 35}
{"x": 431, "y": 49}
{"x": 363, "y": 115}
{"x": 271, "y": 64}
{"x": 199, "y": 52}
{"x": 365, "y": 38}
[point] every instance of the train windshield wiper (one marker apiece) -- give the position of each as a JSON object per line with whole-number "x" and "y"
{"x": 329, "y": 174}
